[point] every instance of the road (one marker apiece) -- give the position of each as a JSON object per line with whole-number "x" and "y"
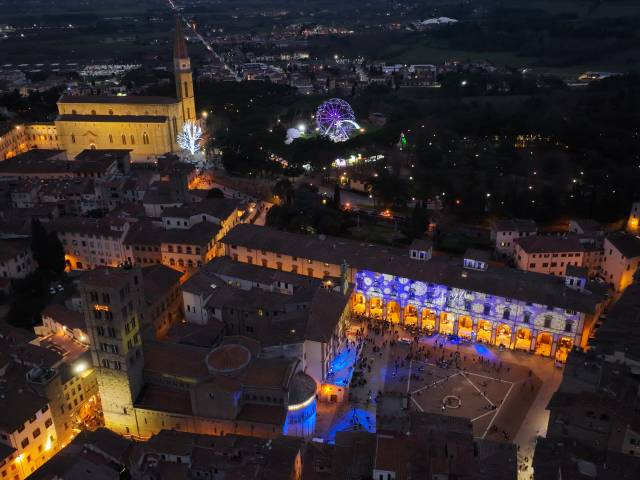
{"x": 207, "y": 45}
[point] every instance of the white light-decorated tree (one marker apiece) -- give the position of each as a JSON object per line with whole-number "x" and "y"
{"x": 191, "y": 140}
{"x": 190, "y": 137}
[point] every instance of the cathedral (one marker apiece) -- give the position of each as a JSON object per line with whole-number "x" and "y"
{"x": 146, "y": 125}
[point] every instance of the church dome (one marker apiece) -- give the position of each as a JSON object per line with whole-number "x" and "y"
{"x": 228, "y": 358}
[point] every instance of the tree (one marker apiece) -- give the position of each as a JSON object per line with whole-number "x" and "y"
{"x": 337, "y": 204}
{"x": 47, "y": 248}
{"x": 417, "y": 224}
{"x": 55, "y": 254}
{"x": 283, "y": 189}
{"x": 190, "y": 138}
{"x": 39, "y": 242}
{"x": 215, "y": 193}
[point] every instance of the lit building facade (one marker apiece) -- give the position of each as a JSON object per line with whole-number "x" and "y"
{"x": 31, "y": 433}
{"x": 90, "y": 242}
{"x": 518, "y": 310}
{"x": 491, "y": 319}
{"x": 633, "y": 222}
{"x": 148, "y": 126}
{"x": 113, "y": 301}
{"x": 552, "y": 255}
{"x": 16, "y": 259}
{"x": 621, "y": 259}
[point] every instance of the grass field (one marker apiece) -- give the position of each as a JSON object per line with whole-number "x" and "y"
{"x": 425, "y": 53}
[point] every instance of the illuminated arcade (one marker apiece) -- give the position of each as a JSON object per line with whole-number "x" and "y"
{"x": 473, "y": 316}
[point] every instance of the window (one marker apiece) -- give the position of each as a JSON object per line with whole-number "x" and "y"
{"x": 568, "y": 326}
{"x": 506, "y": 314}
{"x": 73, "y": 138}
{"x": 124, "y": 139}
{"x": 527, "y": 317}
{"x": 547, "y": 321}
{"x": 487, "y": 309}
{"x": 110, "y": 138}
{"x": 36, "y": 433}
{"x": 133, "y": 140}
{"x": 24, "y": 443}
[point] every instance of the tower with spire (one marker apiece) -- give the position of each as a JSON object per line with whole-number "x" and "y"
{"x": 183, "y": 74}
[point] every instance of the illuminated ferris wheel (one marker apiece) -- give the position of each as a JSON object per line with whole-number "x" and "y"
{"x": 335, "y": 119}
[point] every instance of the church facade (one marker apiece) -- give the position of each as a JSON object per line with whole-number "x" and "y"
{"x": 146, "y": 125}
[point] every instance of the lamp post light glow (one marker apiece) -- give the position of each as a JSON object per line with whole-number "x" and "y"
{"x": 79, "y": 367}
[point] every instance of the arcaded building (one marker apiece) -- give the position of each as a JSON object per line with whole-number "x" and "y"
{"x": 543, "y": 314}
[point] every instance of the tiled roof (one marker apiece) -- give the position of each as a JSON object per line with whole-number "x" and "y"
{"x": 625, "y": 243}
{"x": 551, "y": 244}
{"x": 217, "y": 207}
{"x": 119, "y": 100}
{"x": 200, "y": 234}
{"x": 64, "y": 316}
{"x": 515, "y": 225}
{"x": 443, "y": 270}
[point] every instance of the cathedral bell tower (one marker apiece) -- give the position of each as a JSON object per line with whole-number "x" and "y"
{"x": 183, "y": 75}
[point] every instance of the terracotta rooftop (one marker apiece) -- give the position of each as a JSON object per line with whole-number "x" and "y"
{"x": 176, "y": 359}
{"x": 120, "y": 100}
{"x": 228, "y": 358}
{"x": 552, "y": 244}
{"x": 165, "y": 399}
{"x": 64, "y": 316}
{"x": 627, "y": 244}
{"x": 443, "y": 270}
{"x": 106, "y": 277}
{"x": 9, "y": 249}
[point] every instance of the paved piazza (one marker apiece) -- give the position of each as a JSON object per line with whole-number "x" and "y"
{"x": 494, "y": 394}
{"x": 504, "y": 393}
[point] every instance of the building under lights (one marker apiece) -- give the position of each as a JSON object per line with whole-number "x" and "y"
{"x": 44, "y": 386}
{"x": 193, "y": 386}
{"x": 148, "y": 126}
{"x": 542, "y": 314}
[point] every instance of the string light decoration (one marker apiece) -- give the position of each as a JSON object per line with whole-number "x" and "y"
{"x": 190, "y": 139}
